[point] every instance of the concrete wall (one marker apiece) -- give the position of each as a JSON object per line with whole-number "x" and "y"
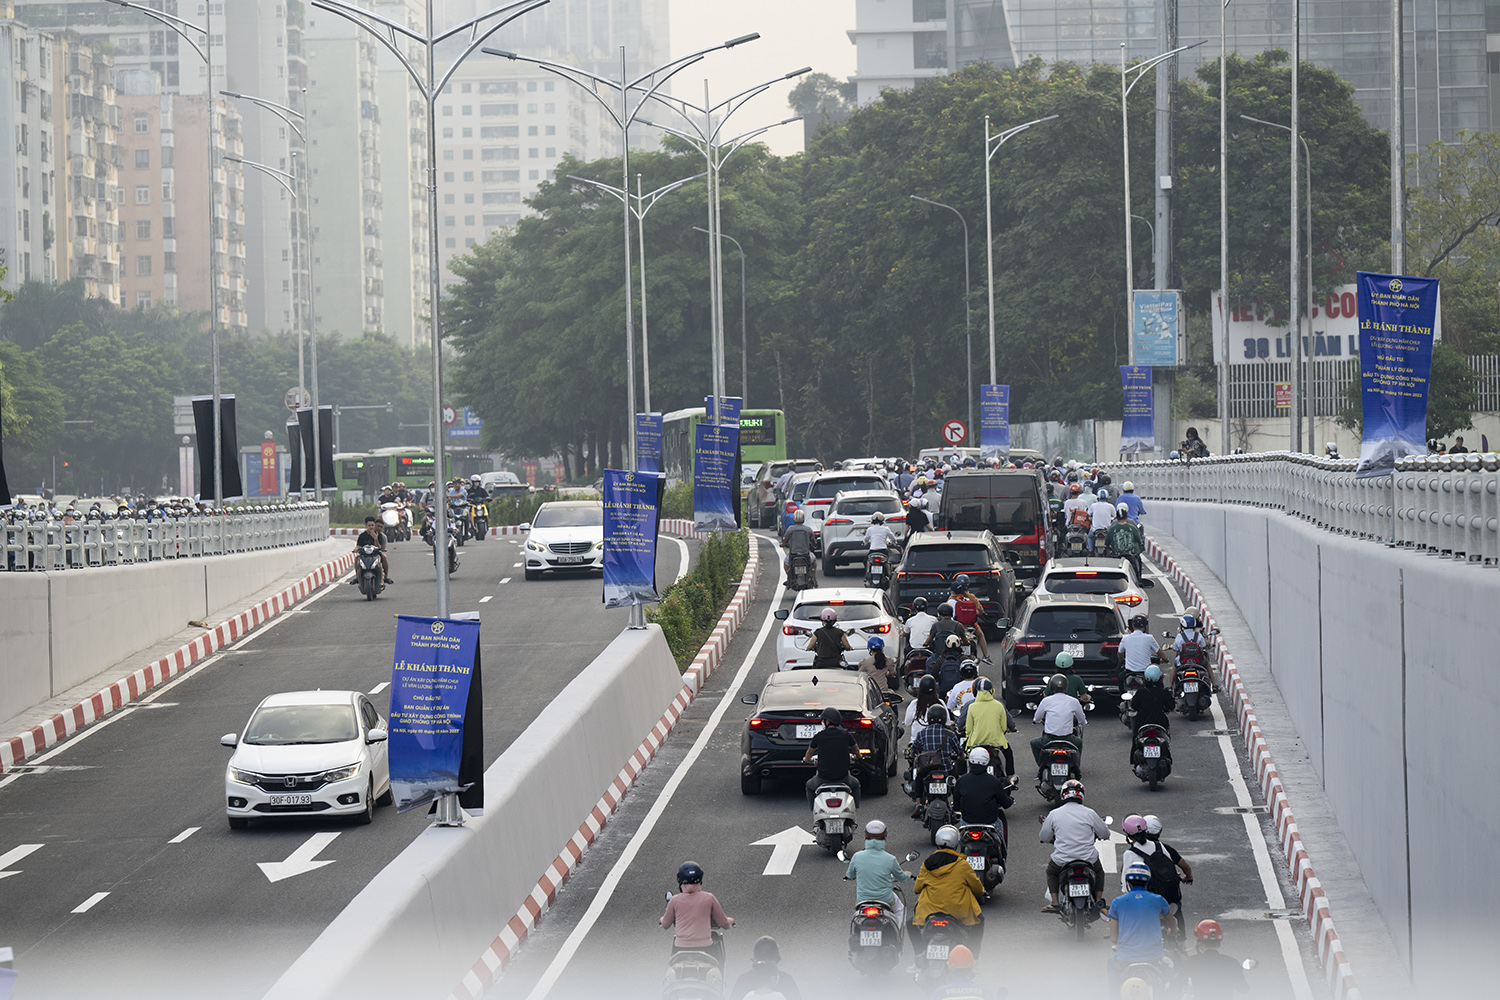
{"x": 419, "y": 925}
{"x": 1386, "y": 661}
{"x": 61, "y": 628}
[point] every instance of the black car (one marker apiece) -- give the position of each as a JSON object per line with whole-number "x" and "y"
{"x": 790, "y": 712}
{"x": 1086, "y": 626}
{"x": 934, "y": 559}
{"x": 1011, "y": 504}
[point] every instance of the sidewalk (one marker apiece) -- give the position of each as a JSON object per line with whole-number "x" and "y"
{"x": 1363, "y": 934}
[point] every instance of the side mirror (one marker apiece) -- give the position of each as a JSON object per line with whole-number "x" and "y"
{"x": 669, "y": 897}
{"x": 1213, "y": 631}
{"x": 1003, "y": 624}
{"x": 818, "y": 514}
{"x": 1109, "y": 821}
{"x": 749, "y": 699}
{"x": 1166, "y": 635}
{"x": 783, "y": 614}
{"x": 903, "y": 613}
{"x": 229, "y": 740}
{"x": 912, "y": 856}
{"x": 376, "y": 735}
{"x": 524, "y": 525}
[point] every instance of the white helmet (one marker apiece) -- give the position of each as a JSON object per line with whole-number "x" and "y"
{"x": 877, "y": 518}
{"x": 875, "y": 828}
{"x": 798, "y": 516}
{"x": 1122, "y": 510}
{"x": 1153, "y": 825}
{"x": 946, "y": 836}
{"x": 979, "y": 757}
{"x": 1129, "y": 487}
{"x": 474, "y": 478}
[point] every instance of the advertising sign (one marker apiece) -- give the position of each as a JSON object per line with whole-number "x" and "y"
{"x": 1283, "y": 395}
{"x": 994, "y": 421}
{"x": 325, "y": 445}
{"x": 729, "y": 405}
{"x": 631, "y": 502}
{"x": 715, "y": 492}
{"x": 467, "y": 425}
{"x": 1154, "y": 328}
{"x": 434, "y": 672}
{"x": 268, "y": 483}
{"x": 1137, "y": 430}
{"x": 530, "y": 468}
{"x": 1397, "y": 320}
{"x": 648, "y": 442}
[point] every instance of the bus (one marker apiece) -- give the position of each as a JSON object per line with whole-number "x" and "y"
{"x": 363, "y": 475}
{"x": 762, "y": 439}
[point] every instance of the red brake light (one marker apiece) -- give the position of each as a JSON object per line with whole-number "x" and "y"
{"x": 1109, "y": 647}
{"x": 838, "y": 520}
{"x": 1084, "y": 572}
{"x": 896, "y": 517}
{"x": 757, "y": 723}
{"x": 938, "y": 923}
{"x": 833, "y": 803}
{"x": 882, "y": 629}
{"x": 1131, "y": 599}
{"x": 870, "y": 911}
{"x": 793, "y": 630}
{"x": 1030, "y": 646}
{"x": 975, "y": 835}
{"x": 866, "y": 723}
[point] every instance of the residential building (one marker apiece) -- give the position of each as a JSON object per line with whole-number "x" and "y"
{"x": 403, "y": 166}
{"x": 90, "y": 247}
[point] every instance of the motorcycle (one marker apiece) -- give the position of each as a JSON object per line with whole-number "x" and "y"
{"x": 876, "y": 575}
{"x": 1059, "y": 766}
{"x": 1192, "y": 689}
{"x": 941, "y": 933}
{"x": 458, "y": 517}
{"x": 1076, "y": 540}
{"x": 1132, "y": 683}
{"x": 932, "y": 787}
{"x": 984, "y": 848}
{"x": 429, "y": 530}
{"x": 1096, "y": 541}
{"x": 693, "y": 973}
{"x": 833, "y": 817}
{"x": 481, "y": 518}
{"x": 371, "y": 576}
{"x": 914, "y": 668}
{"x": 1151, "y": 755}
{"x": 1075, "y": 896}
{"x": 394, "y": 520}
{"x": 800, "y": 570}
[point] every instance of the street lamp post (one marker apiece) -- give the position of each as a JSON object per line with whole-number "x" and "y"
{"x": 744, "y": 337}
{"x": 1224, "y": 225}
{"x": 992, "y": 144}
{"x": 968, "y": 308}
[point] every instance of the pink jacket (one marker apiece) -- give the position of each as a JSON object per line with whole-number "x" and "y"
{"x": 695, "y": 913}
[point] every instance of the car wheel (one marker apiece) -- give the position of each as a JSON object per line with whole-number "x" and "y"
{"x": 236, "y": 823}
{"x": 878, "y": 784}
{"x": 749, "y": 784}
{"x": 364, "y": 818}
{"x": 829, "y": 566}
{"x": 890, "y": 769}
{"x": 389, "y": 798}
{"x": 533, "y": 574}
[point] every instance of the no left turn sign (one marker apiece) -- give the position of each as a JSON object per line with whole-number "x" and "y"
{"x": 954, "y": 432}
{"x": 450, "y": 415}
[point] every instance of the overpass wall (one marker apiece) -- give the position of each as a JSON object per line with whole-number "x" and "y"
{"x": 1386, "y": 661}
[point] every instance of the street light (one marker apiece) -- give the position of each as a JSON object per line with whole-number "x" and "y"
{"x": 992, "y": 144}
{"x": 206, "y": 53}
{"x": 1297, "y": 388}
{"x": 1224, "y": 225}
{"x": 744, "y": 337}
{"x": 968, "y": 308}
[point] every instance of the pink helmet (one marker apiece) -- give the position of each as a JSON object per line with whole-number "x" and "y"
{"x": 1133, "y": 826}
{"x": 829, "y": 615}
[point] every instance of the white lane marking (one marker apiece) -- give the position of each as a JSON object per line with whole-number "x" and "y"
{"x": 90, "y": 903}
{"x": 14, "y": 855}
{"x": 1109, "y": 860}
{"x": 515, "y": 565}
{"x": 785, "y": 846}
{"x": 663, "y": 799}
{"x": 682, "y": 563}
{"x": 487, "y": 598}
{"x": 506, "y": 579}
{"x": 380, "y": 687}
{"x": 184, "y": 835}
{"x": 300, "y": 861}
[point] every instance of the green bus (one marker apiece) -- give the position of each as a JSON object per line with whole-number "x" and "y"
{"x": 363, "y": 475}
{"x": 762, "y": 439}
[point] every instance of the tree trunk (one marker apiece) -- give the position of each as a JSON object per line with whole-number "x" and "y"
{"x": 909, "y": 347}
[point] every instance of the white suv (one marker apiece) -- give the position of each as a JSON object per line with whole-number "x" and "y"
{"x": 844, "y": 527}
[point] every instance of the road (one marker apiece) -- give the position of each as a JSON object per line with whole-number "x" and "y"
{"x": 133, "y": 808}
{"x": 602, "y": 939}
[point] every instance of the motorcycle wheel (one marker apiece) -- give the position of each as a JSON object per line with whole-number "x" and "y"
{"x": 1194, "y": 710}
{"x": 370, "y": 592}
{"x": 1153, "y": 782}
{"x": 1080, "y": 926}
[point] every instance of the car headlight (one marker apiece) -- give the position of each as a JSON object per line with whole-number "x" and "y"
{"x": 598, "y": 547}
{"x": 340, "y": 773}
{"x": 535, "y": 546}
{"x": 243, "y": 777}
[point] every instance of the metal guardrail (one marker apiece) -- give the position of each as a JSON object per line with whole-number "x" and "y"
{"x": 1446, "y": 505}
{"x": 58, "y": 545}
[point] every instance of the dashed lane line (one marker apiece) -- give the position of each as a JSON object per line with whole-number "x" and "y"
{"x": 184, "y": 835}
{"x": 90, "y": 903}
{"x": 380, "y": 687}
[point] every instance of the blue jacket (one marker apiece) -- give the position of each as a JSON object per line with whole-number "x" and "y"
{"x": 875, "y": 872}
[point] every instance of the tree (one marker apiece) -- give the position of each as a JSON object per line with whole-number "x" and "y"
{"x": 821, "y": 100}
{"x": 32, "y": 405}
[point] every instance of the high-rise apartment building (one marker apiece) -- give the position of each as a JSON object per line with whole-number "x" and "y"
{"x": 403, "y": 166}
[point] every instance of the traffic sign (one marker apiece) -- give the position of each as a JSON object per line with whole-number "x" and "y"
{"x": 296, "y": 398}
{"x": 954, "y": 432}
{"x": 450, "y": 415}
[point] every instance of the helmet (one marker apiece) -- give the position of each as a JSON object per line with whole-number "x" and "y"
{"x": 1153, "y": 825}
{"x": 1122, "y": 511}
{"x": 1153, "y": 674}
{"x": 1056, "y": 683}
{"x": 1189, "y": 621}
{"x": 960, "y": 957}
{"x": 956, "y": 587}
{"x": 984, "y": 684}
{"x": 952, "y": 640}
{"x": 877, "y": 518}
{"x": 1072, "y": 791}
{"x": 1133, "y": 825}
{"x": 1063, "y": 661}
{"x": 831, "y": 716}
{"x": 920, "y": 604}
{"x": 927, "y": 684}
{"x": 766, "y": 950}
{"x": 798, "y": 517}
{"x": 968, "y": 670}
{"x": 1129, "y": 487}
{"x": 1137, "y": 872}
{"x": 945, "y": 610}
{"x": 474, "y": 478}
{"x": 829, "y": 615}
{"x": 1175, "y": 456}
{"x": 921, "y": 503}
{"x": 690, "y": 873}
{"x": 875, "y": 643}
{"x": 946, "y": 836}
{"x": 1075, "y": 489}
{"x": 937, "y": 715}
{"x": 979, "y": 757}
{"x": 1209, "y": 930}
{"x": 1135, "y": 989}
{"x": 875, "y": 828}
{"x": 1140, "y": 622}
{"x": 962, "y": 580}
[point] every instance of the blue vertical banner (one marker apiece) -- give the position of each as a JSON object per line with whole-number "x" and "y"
{"x": 994, "y": 421}
{"x": 715, "y": 492}
{"x": 1153, "y": 328}
{"x": 1137, "y": 430}
{"x": 648, "y": 442}
{"x": 1397, "y": 317}
{"x": 631, "y": 503}
{"x": 730, "y": 405}
{"x": 435, "y": 663}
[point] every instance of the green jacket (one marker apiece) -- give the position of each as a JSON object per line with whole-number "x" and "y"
{"x": 1124, "y": 538}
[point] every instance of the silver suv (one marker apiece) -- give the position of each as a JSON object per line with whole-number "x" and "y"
{"x": 844, "y": 527}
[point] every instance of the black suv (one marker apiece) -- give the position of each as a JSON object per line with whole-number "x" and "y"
{"x": 934, "y": 559}
{"x": 791, "y": 708}
{"x": 1086, "y": 626}
{"x": 1011, "y": 504}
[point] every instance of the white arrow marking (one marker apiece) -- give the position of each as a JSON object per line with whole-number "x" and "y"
{"x": 88, "y": 904}
{"x": 300, "y": 861}
{"x": 1107, "y": 858}
{"x": 785, "y": 847}
{"x": 184, "y": 835}
{"x": 11, "y": 857}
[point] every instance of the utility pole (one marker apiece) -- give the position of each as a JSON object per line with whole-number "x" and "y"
{"x": 1163, "y": 379}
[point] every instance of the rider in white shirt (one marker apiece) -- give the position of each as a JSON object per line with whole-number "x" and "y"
{"x": 919, "y": 625}
{"x": 1138, "y": 645}
{"x": 1072, "y": 829}
{"x": 877, "y": 535}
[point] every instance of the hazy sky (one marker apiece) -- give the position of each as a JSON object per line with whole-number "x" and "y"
{"x": 794, "y": 33}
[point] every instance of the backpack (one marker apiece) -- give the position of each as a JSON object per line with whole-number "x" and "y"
{"x": 1164, "y": 878}
{"x": 1080, "y": 517}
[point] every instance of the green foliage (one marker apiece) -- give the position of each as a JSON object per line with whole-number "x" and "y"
{"x": 32, "y": 407}
{"x": 1451, "y": 396}
{"x": 690, "y": 608}
{"x": 350, "y": 515}
{"x": 678, "y": 501}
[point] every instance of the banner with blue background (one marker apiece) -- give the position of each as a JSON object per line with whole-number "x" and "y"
{"x": 1137, "y": 430}
{"x": 715, "y": 492}
{"x": 430, "y": 679}
{"x": 631, "y": 503}
{"x": 994, "y": 421}
{"x": 1397, "y": 316}
{"x": 1153, "y": 328}
{"x": 729, "y": 407}
{"x": 648, "y": 442}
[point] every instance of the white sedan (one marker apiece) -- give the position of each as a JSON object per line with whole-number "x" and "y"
{"x": 566, "y": 534}
{"x": 1107, "y": 575}
{"x": 863, "y": 613}
{"x": 308, "y": 753}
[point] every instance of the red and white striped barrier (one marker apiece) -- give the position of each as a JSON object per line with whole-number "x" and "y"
{"x": 670, "y": 526}
{"x": 1310, "y": 891}
{"x": 709, "y": 656}
{"x": 69, "y": 721}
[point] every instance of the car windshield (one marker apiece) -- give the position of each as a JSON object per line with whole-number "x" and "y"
{"x": 941, "y": 558}
{"x": 847, "y": 610}
{"x": 591, "y": 516}
{"x": 1086, "y": 582}
{"x": 822, "y": 489}
{"x": 1004, "y": 515}
{"x": 855, "y": 508}
{"x": 287, "y": 725}
{"x": 799, "y": 490}
{"x": 1070, "y": 621}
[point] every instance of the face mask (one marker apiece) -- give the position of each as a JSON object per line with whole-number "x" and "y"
{"x": 874, "y": 845}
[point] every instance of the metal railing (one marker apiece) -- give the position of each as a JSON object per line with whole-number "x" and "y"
{"x": 55, "y": 544}
{"x": 1446, "y": 505}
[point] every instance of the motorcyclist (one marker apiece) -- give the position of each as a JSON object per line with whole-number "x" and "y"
{"x": 947, "y": 664}
{"x": 764, "y": 961}
{"x": 476, "y": 491}
{"x": 1133, "y": 502}
{"x": 878, "y": 665}
{"x": 946, "y": 884}
{"x": 916, "y": 516}
{"x": 876, "y": 873}
{"x": 828, "y": 642}
{"x": 916, "y": 709}
{"x": 987, "y": 724}
{"x": 1072, "y": 829}
{"x": 1189, "y": 633}
{"x": 919, "y": 625}
{"x": 1163, "y": 862}
{"x": 1138, "y": 646}
{"x": 937, "y": 736}
{"x": 1137, "y": 920}
{"x": 960, "y": 984}
{"x": 798, "y": 540}
{"x": 1212, "y": 974}
{"x": 1076, "y": 508}
{"x": 1061, "y": 716}
{"x": 692, "y": 914}
{"x": 966, "y": 613}
{"x": 373, "y": 535}
{"x": 1153, "y": 702}
{"x": 1102, "y": 518}
{"x": 834, "y": 747}
{"x": 1077, "y": 687}
{"x": 962, "y": 693}
{"x": 979, "y": 796}
{"x": 1124, "y": 539}
{"x": 945, "y": 627}
{"x": 878, "y": 537}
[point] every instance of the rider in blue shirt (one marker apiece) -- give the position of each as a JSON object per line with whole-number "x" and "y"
{"x": 1136, "y": 922}
{"x": 1129, "y": 499}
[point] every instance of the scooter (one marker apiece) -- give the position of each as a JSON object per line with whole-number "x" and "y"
{"x": 371, "y": 577}
{"x": 984, "y": 847}
{"x": 390, "y": 516}
{"x": 458, "y": 517}
{"x": 1076, "y": 541}
{"x": 833, "y": 817}
{"x": 429, "y": 530}
{"x": 914, "y": 667}
{"x": 481, "y": 517}
{"x": 1193, "y": 690}
{"x": 800, "y": 571}
{"x": 874, "y": 934}
{"x": 1128, "y": 688}
{"x": 932, "y": 787}
{"x": 1075, "y": 896}
{"x": 876, "y": 576}
{"x": 695, "y": 974}
{"x": 1151, "y": 755}
{"x": 1059, "y": 766}
{"x": 941, "y": 933}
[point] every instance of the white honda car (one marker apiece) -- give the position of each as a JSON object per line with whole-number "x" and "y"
{"x": 566, "y": 534}
{"x": 863, "y": 613}
{"x": 308, "y": 753}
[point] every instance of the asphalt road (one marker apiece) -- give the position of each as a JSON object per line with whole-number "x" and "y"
{"x": 601, "y": 939}
{"x": 133, "y": 807}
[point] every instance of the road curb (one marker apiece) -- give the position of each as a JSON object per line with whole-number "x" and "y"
{"x": 710, "y": 655}
{"x": 671, "y": 526}
{"x": 119, "y": 693}
{"x": 1315, "y": 909}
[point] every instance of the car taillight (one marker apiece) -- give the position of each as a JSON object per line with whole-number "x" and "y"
{"x": 896, "y": 517}
{"x": 838, "y": 520}
{"x": 870, "y": 911}
{"x": 1030, "y": 646}
{"x": 759, "y": 723}
{"x": 865, "y": 723}
{"x": 793, "y": 630}
{"x": 1109, "y": 647}
{"x": 1130, "y": 599}
{"x": 882, "y": 629}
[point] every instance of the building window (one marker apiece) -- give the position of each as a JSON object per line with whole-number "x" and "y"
{"x": 468, "y": 154}
{"x": 468, "y": 220}
{"x": 143, "y": 265}
{"x": 499, "y": 131}
{"x": 143, "y": 194}
{"x": 531, "y": 130}
{"x": 447, "y": 154}
{"x": 929, "y": 49}
{"x": 143, "y": 299}
{"x": 469, "y": 241}
{"x": 551, "y": 152}
{"x": 550, "y": 86}
{"x": 468, "y": 133}
{"x": 142, "y": 159}
{"x": 447, "y": 133}
{"x": 468, "y": 88}
{"x": 497, "y": 110}
{"x": 551, "y": 129}
{"x": 533, "y": 175}
{"x": 531, "y": 109}
{"x": 143, "y": 229}
{"x": 449, "y": 220}
{"x": 142, "y": 124}
{"x": 533, "y": 153}
{"x": 447, "y": 111}
{"x": 168, "y": 227}
{"x": 468, "y": 175}
{"x": 166, "y": 191}
{"x": 450, "y": 243}
{"x": 499, "y": 87}
{"x": 447, "y": 176}
{"x": 469, "y": 198}
{"x": 550, "y": 109}
{"x": 531, "y": 86}
{"x": 447, "y": 199}
{"x": 468, "y": 109}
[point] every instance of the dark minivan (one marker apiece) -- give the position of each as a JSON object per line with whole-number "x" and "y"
{"x": 932, "y": 560}
{"x": 1010, "y": 504}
